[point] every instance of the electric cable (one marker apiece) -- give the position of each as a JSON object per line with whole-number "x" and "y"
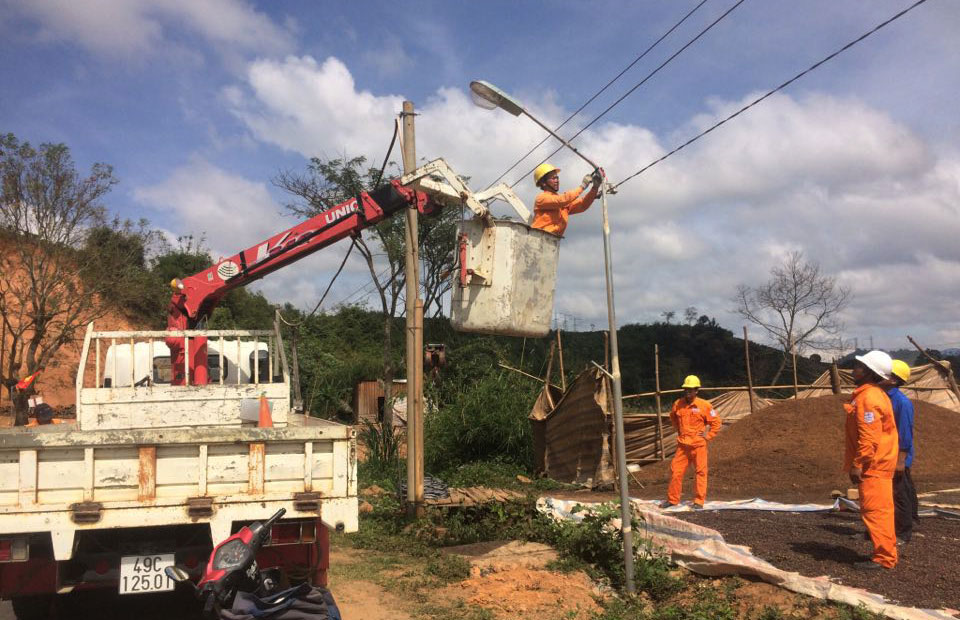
{"x": 636, "y": 86}
{"x": 601, "y": 91}
{"x": 393, "y": 140}
{"x": 769, "y": 93}
{"x": 324, "y": 296}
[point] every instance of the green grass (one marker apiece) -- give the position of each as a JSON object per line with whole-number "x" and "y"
{"x": 405, "y": 557}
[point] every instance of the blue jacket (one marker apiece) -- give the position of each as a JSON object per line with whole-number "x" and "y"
{"x": 903, "y": 416}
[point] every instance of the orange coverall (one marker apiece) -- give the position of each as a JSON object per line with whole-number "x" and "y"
{"x": 552, "y": 210}
{"x": 872, "y": 445}
{"x": 690, "y": 422}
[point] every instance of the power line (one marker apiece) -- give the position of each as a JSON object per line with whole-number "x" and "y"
{"x": 778, "y": 88}
{"x": 601, "y": 91}
{"x": 638, "y": 85}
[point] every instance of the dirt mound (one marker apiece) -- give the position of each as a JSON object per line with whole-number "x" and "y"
{"x": 793, "y": 451}
{"x": 526, "y": 594}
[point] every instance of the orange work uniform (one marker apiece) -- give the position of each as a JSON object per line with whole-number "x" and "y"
{"x": 551, "y": 210}
{"x": 35, "y": 423}
{"x": 690, "y": 420}
{"x": 872, "y": 445}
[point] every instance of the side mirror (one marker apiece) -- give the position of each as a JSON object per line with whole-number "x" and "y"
{"x": 177, "y": 574}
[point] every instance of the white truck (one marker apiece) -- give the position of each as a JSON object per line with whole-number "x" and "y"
{"x": 167, "y": 456}
{"x": 153, "y": 473}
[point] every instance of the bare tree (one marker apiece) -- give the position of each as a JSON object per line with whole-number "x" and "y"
{"x": 328, "y": 183}
{"x": 799, "y": 307}
{"x": 60, "y": 257}
{"x": 690, "y": 315}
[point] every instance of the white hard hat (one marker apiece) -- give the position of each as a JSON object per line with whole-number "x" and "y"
{"x": 877, "y": 361}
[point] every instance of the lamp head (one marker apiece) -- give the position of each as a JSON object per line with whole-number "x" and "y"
{"x": 488, "y": 96}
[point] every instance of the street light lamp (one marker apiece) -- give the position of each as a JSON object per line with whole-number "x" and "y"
{"x": 488, "y": 96}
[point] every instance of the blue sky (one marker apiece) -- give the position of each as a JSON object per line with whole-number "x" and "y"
{"x": 198, "y": 105}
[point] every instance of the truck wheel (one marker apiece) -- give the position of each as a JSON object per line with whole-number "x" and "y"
{"x": 32, "y": 607}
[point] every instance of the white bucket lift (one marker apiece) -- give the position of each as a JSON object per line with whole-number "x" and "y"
{"x": 506, "y": 271}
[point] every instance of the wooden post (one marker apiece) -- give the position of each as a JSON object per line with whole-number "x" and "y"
{"x": 796, "y": 389}
{"x": 834, "y": 377}
{"x": 414, "y": 331}
{"x": 3, "y": 348}
{"x": 563, "y": 378}
{"x": 746, "y": 357}
{"x": 656, "y": 374}
{"x": 944, "y": 368}
{"x": 546, "y": 379}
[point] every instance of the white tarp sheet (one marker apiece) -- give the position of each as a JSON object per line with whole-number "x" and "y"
{"x": 704, "y": 551}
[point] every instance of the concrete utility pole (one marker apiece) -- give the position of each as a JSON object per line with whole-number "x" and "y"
{"x": 414, "y": 307}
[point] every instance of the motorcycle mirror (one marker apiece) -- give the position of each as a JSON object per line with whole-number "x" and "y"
{"x": 177, "y": 574}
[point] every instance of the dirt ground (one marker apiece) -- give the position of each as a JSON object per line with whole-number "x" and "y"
{"x": 508, "y": 578}
{"x": 815, "y": 544}
{"x": 793, "y": 451}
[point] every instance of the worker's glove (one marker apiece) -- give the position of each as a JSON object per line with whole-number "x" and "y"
{"x": 597, "y": 177}
{"x": 587, "y": 180}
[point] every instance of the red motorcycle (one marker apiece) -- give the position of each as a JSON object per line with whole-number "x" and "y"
{"x": 233, "y": 586}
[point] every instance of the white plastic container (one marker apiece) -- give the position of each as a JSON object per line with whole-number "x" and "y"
{"x": 506, "y": 280}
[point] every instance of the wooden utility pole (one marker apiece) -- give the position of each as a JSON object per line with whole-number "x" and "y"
{"x": 414, "y": 332}
{"x": 656, "y": 375}
{"x": 746, "y": 357}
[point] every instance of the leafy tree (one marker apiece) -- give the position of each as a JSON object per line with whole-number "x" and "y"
{"x": 799, "y": 307}
{"x": 63, "y": 258}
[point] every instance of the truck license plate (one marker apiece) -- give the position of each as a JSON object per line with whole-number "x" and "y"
{"x": 144, "y": 573}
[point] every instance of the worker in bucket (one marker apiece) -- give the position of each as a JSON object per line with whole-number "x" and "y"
{"x": 871, "y": 455}
{"x": 696, "y": 423}
{"x": 552, "y": 209}
{"x": 905, "y": 501}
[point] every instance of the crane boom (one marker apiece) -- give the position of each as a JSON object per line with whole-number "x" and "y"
{"x": 195, "y": 297}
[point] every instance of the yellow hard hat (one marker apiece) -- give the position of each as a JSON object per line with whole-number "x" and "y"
{"x": 692, "y": 381}
{"x": 901, "y": 369}
{"x": 176, "y": 284}
{"x": 541, "y": 171}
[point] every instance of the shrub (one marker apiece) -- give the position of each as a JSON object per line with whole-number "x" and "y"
{"x": 449, "y": 568}
{"x": 597, "y": 542}
{"x": 484, "y": 420}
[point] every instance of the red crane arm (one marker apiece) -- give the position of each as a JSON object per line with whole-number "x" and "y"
{"x": 196, "y": 296}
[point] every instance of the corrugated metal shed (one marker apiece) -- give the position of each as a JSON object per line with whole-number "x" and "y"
{"x": 572, "y": 443}
{"x": 925, "y": 376}
{"x": 368, "y": 399}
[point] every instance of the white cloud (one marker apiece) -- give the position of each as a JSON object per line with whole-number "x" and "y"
{"x": 833, "y": 177}
{"x": 233, "y": 214}
{"x": 140, "y": 27}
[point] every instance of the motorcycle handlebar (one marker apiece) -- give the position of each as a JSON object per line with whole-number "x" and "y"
{"x": 269, "y": 522}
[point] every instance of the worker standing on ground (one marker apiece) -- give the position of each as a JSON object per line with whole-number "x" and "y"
{"x": 552, "y": 209}
{"x": 871, "y": 455}
{"x": 905, "y": 503}
{"x": 696, "y": 423}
